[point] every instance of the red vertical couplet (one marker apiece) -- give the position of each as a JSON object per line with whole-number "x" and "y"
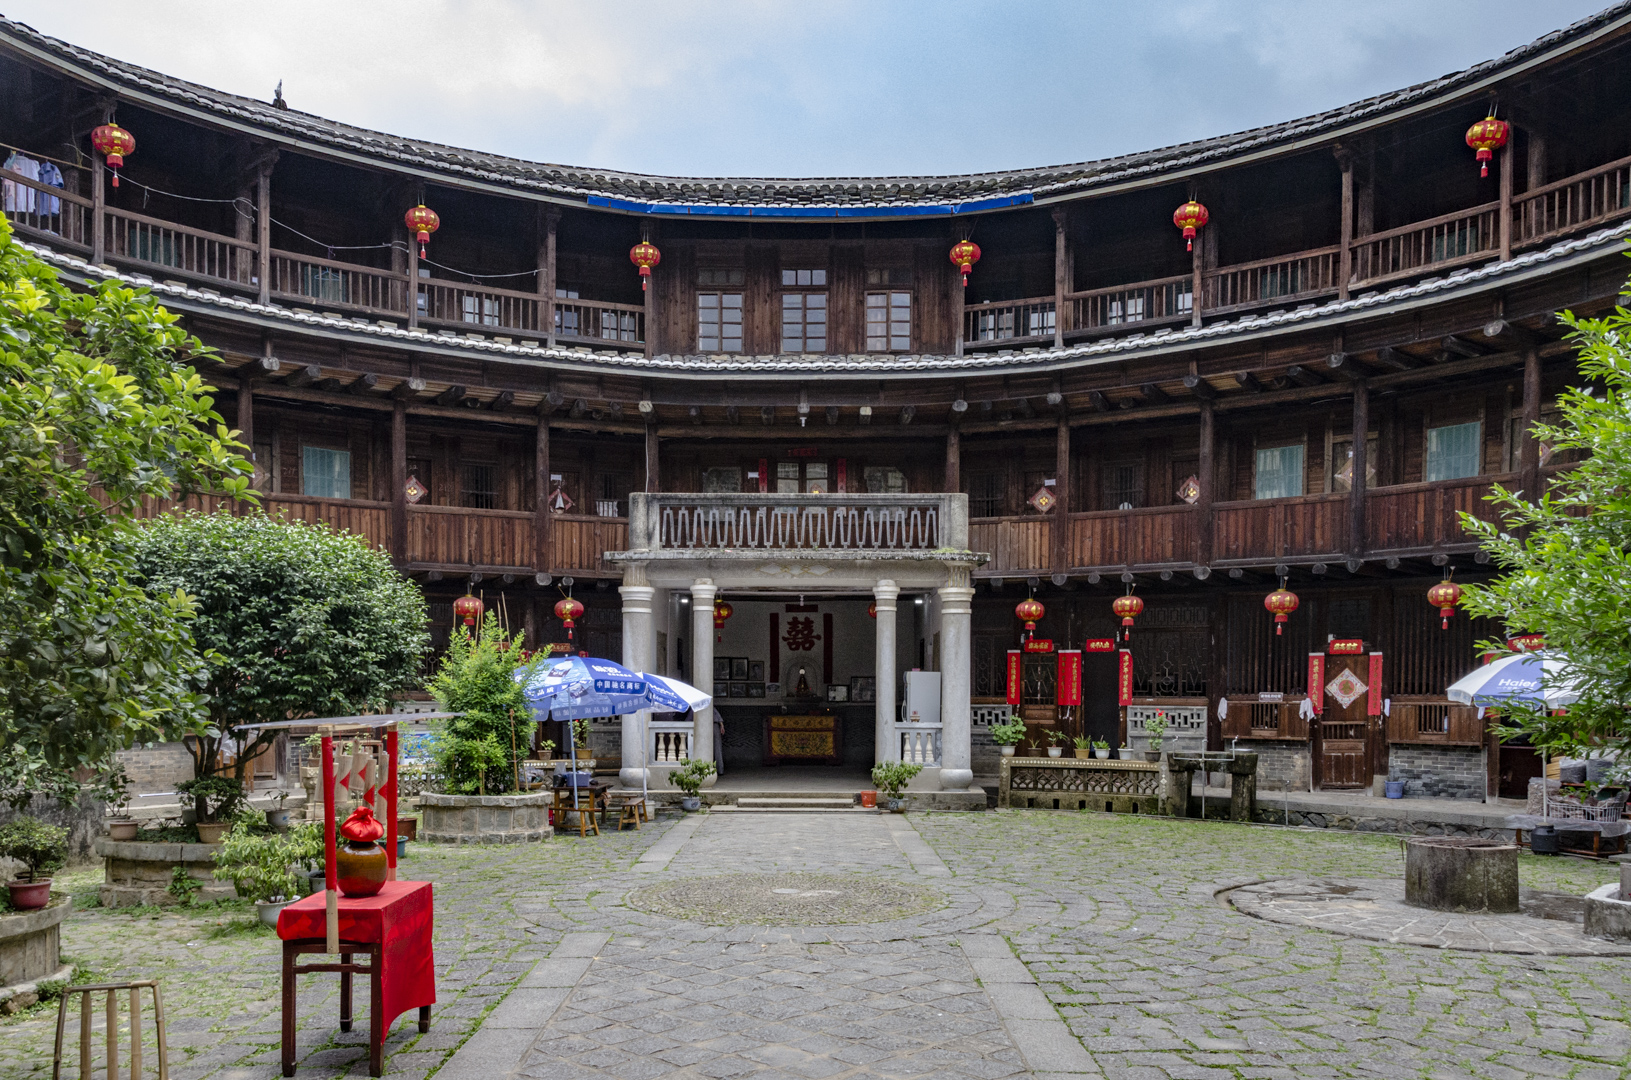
{"x": 764, "y": 476}
{"x": 1069, "y": 684}
{"x": 1316, "y": 682}
{"x": 1373, "y": 695}
{"x": 390, "y": 803}
{"x": 1124, "y": 678}
{"x": 1016, "y": 673}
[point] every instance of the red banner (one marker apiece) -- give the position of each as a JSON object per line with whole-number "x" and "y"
{"x": 1373, "y": 696}
{"x": 1099, "y": 644}
{"x": 1124, "y": 678}
{"x": 1316, "y": 681}
{"x": 1345, "y": 647}
{"x": 1039, "y": 644}
{"x": 1070, "y": 678}
{"x": 1526, "y": 642}
{"x": 1015, "y": 674}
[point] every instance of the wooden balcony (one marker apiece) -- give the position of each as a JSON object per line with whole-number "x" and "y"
{"x": 1268, "y": 530}
{"x": 1417, "y": 516}
{"x": 753, "y": 525}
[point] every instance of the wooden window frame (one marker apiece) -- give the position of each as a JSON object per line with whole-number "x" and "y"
{"x": 889, "y": 292}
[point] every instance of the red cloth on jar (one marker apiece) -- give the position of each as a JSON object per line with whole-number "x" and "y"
{"x": 401, "y": 916}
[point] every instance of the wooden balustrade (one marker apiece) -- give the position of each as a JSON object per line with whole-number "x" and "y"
{"x": 1433, "y": 720}
{"x": 1426, "y": 515}
{"x": 178, "y": 249}
{"x": 600, "y": 322}
{"x": 1302, "y": 276}
{"x": 1020, "y": 321}
{"x": 446, "y": 303}
{"x": 57, "y": 216}
{"x": 1015, "y": 544}
{"x": 1576, "y": 202}
{"x": 1439, "y": 243}
{"x": 1263, "y": 529}
{"x": 369, "y": 520}
{"x": 1157, "y": 302}
{"x": 580, "y": 543}
{"x": 326, "y": 283}
{"x": 1151, "y": 536}
{"x": 458, "y": 536}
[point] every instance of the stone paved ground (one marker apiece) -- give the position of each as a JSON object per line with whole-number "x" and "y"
{"x": 1130, "y": 968}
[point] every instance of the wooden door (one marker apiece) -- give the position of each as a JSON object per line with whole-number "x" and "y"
{"x": 1344, "y": 730}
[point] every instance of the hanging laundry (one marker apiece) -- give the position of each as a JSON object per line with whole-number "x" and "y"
{"x": 19, "y": 199}
{"x": 51, "y": 176}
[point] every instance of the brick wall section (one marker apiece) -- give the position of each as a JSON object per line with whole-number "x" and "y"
{"x": 156, "y": 768}
{"x": 1279, "y": 764}
{"x": 1444, "y": 772}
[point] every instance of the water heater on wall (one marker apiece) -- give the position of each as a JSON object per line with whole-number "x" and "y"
{"x": 920, "y": 704}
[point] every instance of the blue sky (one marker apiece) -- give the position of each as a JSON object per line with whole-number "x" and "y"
{"x": 836, "y": 87}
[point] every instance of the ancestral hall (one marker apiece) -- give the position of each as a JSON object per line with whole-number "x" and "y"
{"x": 1213, "y": 408}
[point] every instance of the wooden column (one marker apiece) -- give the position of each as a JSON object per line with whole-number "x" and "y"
{"x": 1537, "y": 160}
{"x": 1345, "y": 256}
{"x": 98, "y": 210}
{"x": 540, "y": 519}
{"x": 653, "y": 460}
{"x": 1061, "y": 273}
{"x": 1061, "y": 491}
{"x": 1504, "y": 160}
{"x": 650, "y": 298}
{"x": 1204, "y": 470}
{"x": 958, "y": 298}
{"x": 263, "y": 232}
{"x": 1197, "y": 268}
{"x": 1528, "y": 445}
{"x": 954, "y": 459}
{"x": 399, "y": 481}
{"x": 1356, "y": 490}
{"x": 550, "y": 219}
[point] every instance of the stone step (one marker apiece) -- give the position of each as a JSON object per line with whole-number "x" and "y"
{"x": 806, "y": 802}
{"x": 725, "y": 808}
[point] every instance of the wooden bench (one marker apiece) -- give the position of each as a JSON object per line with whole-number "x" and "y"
{"x": 631, "y": 810}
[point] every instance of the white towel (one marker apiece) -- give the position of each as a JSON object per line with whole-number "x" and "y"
{"x": 1223, "y": 708}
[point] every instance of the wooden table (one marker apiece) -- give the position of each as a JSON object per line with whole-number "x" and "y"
{"x": 591, "y": 798}
{"x": 804, "y": 737}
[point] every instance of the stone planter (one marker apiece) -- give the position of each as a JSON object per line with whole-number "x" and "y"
{"x": 1458, "y": 873}
{"x": 485, "y": 819}
{"x": 140, "y": 873}
{"x": 1607, "y": 914}
{"x": 30, "y": 944}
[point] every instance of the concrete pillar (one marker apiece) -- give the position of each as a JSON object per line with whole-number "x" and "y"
{"x": 887, "y": 748}
{"x": 956, "y": 667}
{"x": 703, "y": 592}
{"x": 639, "y": 654}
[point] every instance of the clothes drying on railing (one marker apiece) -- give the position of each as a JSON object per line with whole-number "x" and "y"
{"x": 22, "y": 199}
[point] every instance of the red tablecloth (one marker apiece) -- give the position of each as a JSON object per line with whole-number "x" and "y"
{"x": 400, "y": 916}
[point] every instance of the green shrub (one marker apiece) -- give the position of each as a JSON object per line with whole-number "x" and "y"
{"x": 893, "y": 776}
{"x": 42, "y": 848}
{"x": 1009, "y": 734}
{"x": 481, "y": 678}
{"x": 690, "y": 775}
{"x": 215, "y": 798}
{"x": 261, "y": 866}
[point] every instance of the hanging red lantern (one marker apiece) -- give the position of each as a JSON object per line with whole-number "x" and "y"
{"x": 645, "y": 255}
{"x": 1486, "y": 137}
{"x": 1030, "y": 612}
{"x": 1282, "y": 602}
{"x": 722, "y": 611}
{"x": 964, "y": 254}
{"x": 1190, "y": 217}
{"x": 569, "y": 611}
{"x": 422, "y": 221}
{"x": 1128, "y": 607}
{"x": 115, "y": 144}
{"x": 467, "y": 609}
{"x": 1444, "y": 596}
{"x": 872, "y": 610}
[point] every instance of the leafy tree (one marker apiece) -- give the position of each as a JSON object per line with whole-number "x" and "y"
{"x": 304, "y": 621}
{"x": 481, "y": 677}
{"x": 1567, "y": 557}
{"x": 97, "y": 415}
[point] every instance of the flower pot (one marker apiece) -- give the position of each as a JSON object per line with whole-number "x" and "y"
{"x": 401, "y": 847}
{"x": 122, "y": 829}
{"x": 360, "y": 868}
{"x": 210, "y": 832}
{"x": 1125, "y": 753}
{"x": 1056, "y": 751}
{"x": 896, "y": 806}
{"x": 267, "y": 913}
{"x": 1393, "y": 789}
{"x": 1102, "y": 755}
{"x": 29, "y": 895}
{"x": 278, "y": 819}
{"x": 408, "y": 827}
{"x": 1152, "y": 755}
{"x": 1082, "y": 753}
{"x": 691, "y": 803}
{"x": 869, "y": 800}
{"x": 1006, "y": 751}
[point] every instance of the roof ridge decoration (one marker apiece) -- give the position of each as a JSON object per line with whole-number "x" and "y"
{"x": 870, "y": 365}
{"x": 772, "y": 196}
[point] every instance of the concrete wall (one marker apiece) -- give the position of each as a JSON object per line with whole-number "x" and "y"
{"x": 156, "y": 769}
{"x": 1445, "y": 772}
{"x": 82, "y": 819}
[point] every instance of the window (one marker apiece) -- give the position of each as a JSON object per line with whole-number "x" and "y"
{"x": 325, "y": 474}
{"x": 1124, "y": 486}
{"x": 804, "y": 277}
{"x": 808, "y": 477}
{"x": 888, "y": 321}
{"x": 985, "y": 494}
{"x": 480, "y": 309}
{"x": 1452, "y": 451}
{"x": 478, "y": 486}
{"x": 722, "y": 480}
{"x": 719, "y": 322}
{"x": 884, "y": 480}
{"x": 1342, "y": 463}
{"x": 720, "y": 279}
{"x": 804, "y": 321}
{"x": 614, "y": 488}
{"x": 1279, "y": 472}
{"x": 895, "y": 276}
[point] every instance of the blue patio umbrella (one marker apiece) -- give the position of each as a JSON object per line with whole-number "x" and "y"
{"x": 1531, "y": 677}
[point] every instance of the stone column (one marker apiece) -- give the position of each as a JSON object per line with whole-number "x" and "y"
{"x": 956, "y": 666}
{"x": 887, "y": 747}
{"x": 703, "y": 592}
{"x": 639, "y": 654}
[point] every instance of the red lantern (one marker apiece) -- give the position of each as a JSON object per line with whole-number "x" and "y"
{"x": 115, "y": 144}
{"x": 1486, "y": 137}
{"x": 645, "y": 256}
{"x": 569, "y": 611}
{"x": 872, "y": 610}
{"x": 422, "y": 221}
{"x": 722, "y": 611}
{"x": 1030, "y": 612}
{"x": 1190, "y": 217}
{"x": 964, "y": 254}
{"x": 1282, "y": 602}
{"x": 1128, "y": 607}
{"x": 1444, "y": 596}
{"x": 467, "y": 609}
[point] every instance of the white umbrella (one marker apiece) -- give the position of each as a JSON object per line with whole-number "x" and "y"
{"x": 1531, "y": 677}
{"x": 694, "y": 700}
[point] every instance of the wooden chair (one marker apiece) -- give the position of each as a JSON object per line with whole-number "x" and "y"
{"x": 86, "y": 1039}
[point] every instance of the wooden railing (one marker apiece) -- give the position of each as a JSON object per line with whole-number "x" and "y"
{"x": 1262, "y": 529}
{"x": 369, "y": 520}
{"x": 1151, "y": 536}
{"x": 1452, "y": 240}
{"x": 1576, "y": 202}
{"x": 456, "y": 536}
{"x": 1158, "y": 302}
{"x": 1433, "y": 720}
{"x": 59, "y": 217}
{"x": 1282, "y": 280}
{"x": 1426, "y": 515}
{"x": 477, "y": 307}
{"x": 1012, "y": 320}
{"x": 1013, "y": 543}
{"x": 580, "y": 543}
{"x": 326, "y": 283}
{"x": 178, "y": 249}
{"x": 600, "y": 321}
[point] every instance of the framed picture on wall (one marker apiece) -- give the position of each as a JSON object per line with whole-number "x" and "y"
{"x": 756, "y": 689}
{"x": 738, "y": 689}
{"x": 722, "y": 667}
{"x": 722, "y": 689}
{"x": 773, "y": 689}
{"x": 837, "y": 692}
{"x": 863, "y": 688}
{"x": 756, "y": 671}
{"x": 739, "y": 669}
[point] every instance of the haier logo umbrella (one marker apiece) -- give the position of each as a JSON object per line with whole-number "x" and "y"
{"x": 1531, "y": 677}
{"x": 575, "y": 687}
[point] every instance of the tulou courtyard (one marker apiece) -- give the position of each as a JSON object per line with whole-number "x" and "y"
{"x": 816, "y": 945}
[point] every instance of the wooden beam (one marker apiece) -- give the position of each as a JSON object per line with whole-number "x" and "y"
{"x": 1303, "y": 376}
{"x": 907, "y": 412}
{"x": 832, "y": 415}
{"x": 449, "y": 396}
{"x": 304, "y": 375}
{"x": 1248, "y": 382}
{"x": 362, "y": 384}
{"x": 1200, "y": 388}
{"x": 1390, "y": 357}
{"x": 579, "y": 408}
{"x": 1153, "y": 394}
{"x": 399, "y": 481}
{"x": 1345, "y": 365}
{"x": 1457, "y": 346}
{"x": 502, "y": 400}
{"x": 1097, "y": 399}
{"x": 552, "y": 400}
{"x": 328, "y": 385}
{"x": 767, "y": 416}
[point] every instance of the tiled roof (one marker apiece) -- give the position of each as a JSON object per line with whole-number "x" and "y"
{"x": 871, "y": 365}
{"x": 812, "y": 197}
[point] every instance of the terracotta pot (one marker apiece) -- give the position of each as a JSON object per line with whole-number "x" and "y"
{"x": 1084, "y": 753}
{"x": 122, "y": 829}
{"x": 360, "y": 868}
{"x": 210, "y": 832}
{"x": 869, "y": 799}
{"x": 29, "y": 895}
{"x": 408, "y": 827}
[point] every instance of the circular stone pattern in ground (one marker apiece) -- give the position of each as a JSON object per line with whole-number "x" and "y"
{"x": 1548, "y": 924}
{"x": 786, "y": 899}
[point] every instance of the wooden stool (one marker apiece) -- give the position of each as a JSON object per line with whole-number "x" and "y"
{"x": 630, "y": 811}
{"x": 85, "y": 1040}
{"x": 585, "y": 809}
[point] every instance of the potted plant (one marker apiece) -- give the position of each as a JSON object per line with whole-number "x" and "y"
{"x": 121, "y": 826}
{"x": 892, "y": 778}
{"x": 1056, "y": 744}
{"x": 1008, "y": 735}
{"x": 1101, "y": 749}
{"x": 278, "y": 816}
{"x": 1084, "y": 746}
{"x": 40, "y": 847}
{"x": 1156, "y": 726}
{"x": 688, "y": 778}
{"x": 262, "y": 866}
{"x": 1125, "y": 753}
{"x": 216, "y": 802}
